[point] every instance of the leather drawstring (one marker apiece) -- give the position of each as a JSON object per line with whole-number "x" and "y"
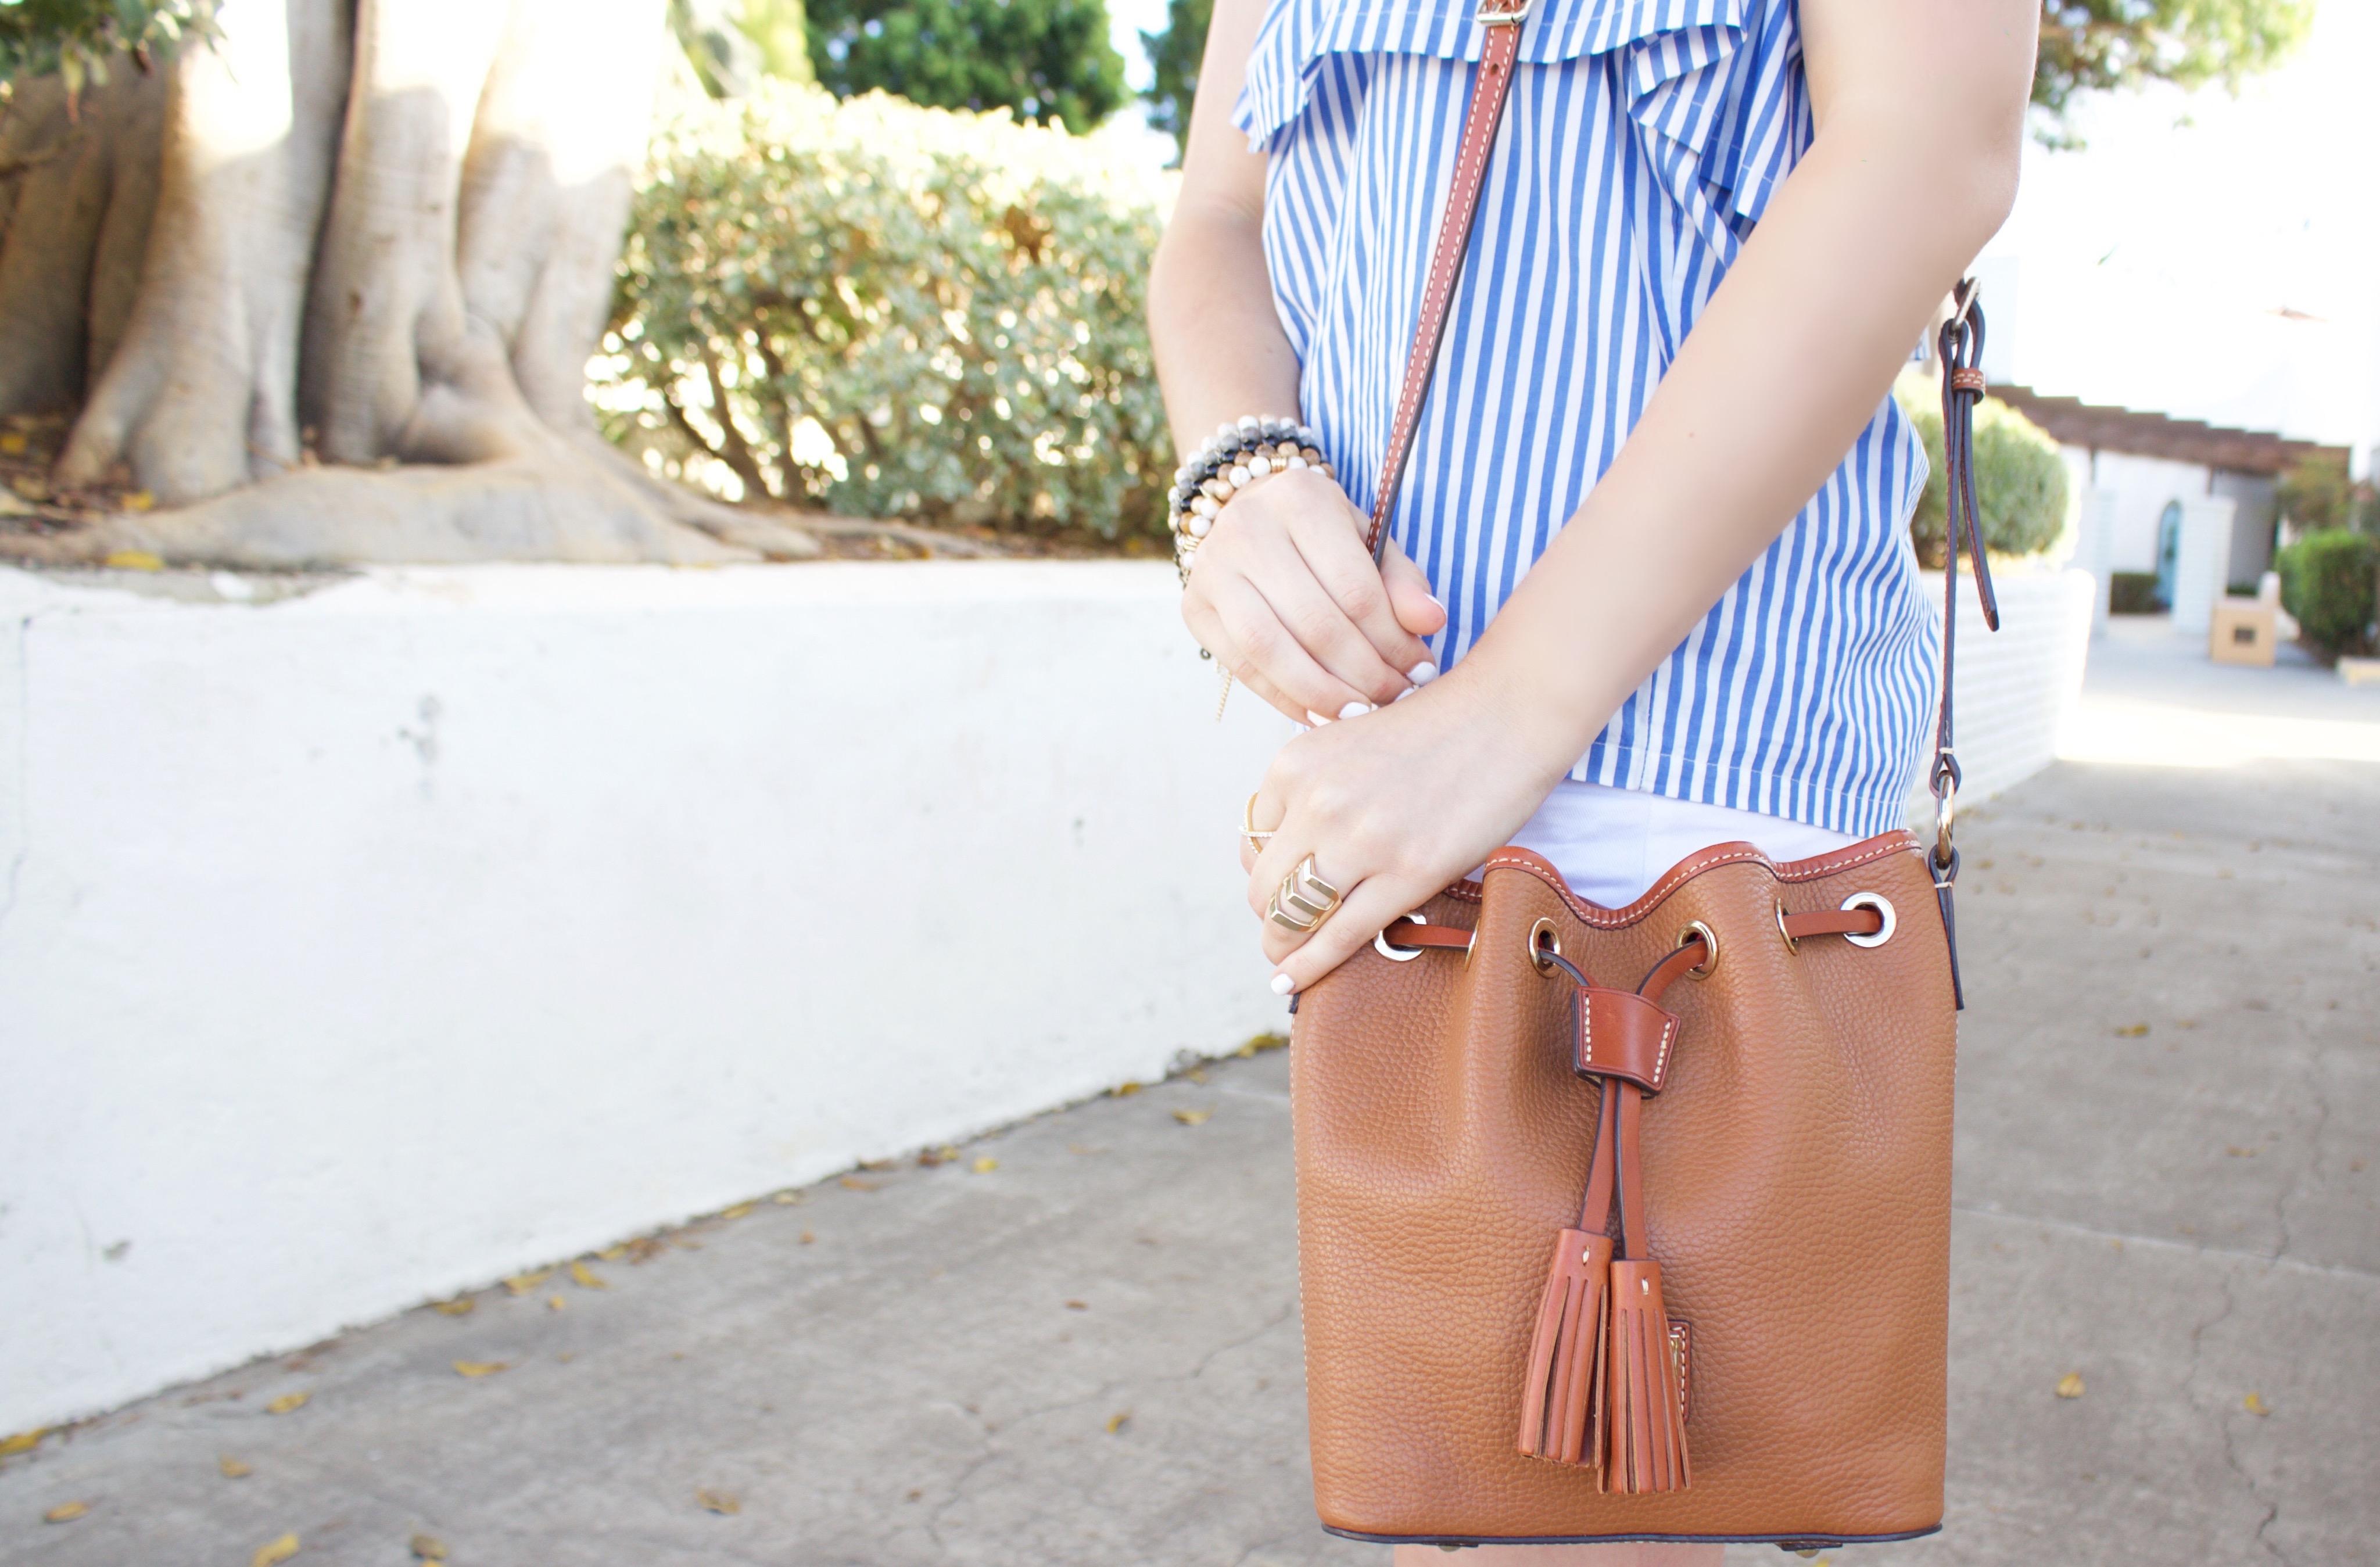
{"x": 1961, "y": 346}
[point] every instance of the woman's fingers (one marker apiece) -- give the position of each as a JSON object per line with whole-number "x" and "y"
{"x": 1409, "y": 595}
{"x": 1371, "y": 904}
{"x": 1334, "y": 553}
{"x": 1258, "y": 648}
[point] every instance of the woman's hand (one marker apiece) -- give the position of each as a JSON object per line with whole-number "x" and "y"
{"x": 1394, "y": 807}
{"x": 1283, "y": 592}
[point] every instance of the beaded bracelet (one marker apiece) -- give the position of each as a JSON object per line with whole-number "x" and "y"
{"x": 1235, "y": 456}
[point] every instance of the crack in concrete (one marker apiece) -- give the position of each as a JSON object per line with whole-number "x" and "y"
{"x": 2230, "y": 1455}
{"x": 2072, "y": 1227}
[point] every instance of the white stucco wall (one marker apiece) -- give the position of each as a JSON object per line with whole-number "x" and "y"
{"x": 377, "y": 943}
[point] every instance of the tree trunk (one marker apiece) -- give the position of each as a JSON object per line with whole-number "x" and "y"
{"x": 383, "y": 231}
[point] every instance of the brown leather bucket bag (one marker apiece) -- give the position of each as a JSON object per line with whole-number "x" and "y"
{"x": 1634, "y": 1223}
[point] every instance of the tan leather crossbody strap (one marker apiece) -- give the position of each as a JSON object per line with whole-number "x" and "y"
{"x": 1490, "y": 87}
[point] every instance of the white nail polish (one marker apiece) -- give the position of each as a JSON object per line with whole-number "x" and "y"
{"x": 1316, "y": 719}
{"x": 1282, "y": 984}
{"x": 1355, "y": 709}
{"x": 1423, "y": 672}
{"x": 1435, "y": 599}
{"x": 1403, "y": 694}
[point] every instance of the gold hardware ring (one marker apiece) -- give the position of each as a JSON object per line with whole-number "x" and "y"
{"x": 1304, "y": 892}
{"x": 1544, "y": 938}
{"x": 1709, "y": 939}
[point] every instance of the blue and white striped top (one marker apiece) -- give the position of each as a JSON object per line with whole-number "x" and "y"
{"x": 1641, "y": 144}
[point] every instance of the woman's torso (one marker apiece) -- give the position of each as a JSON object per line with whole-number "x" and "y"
{"x": 1641, "y": 141}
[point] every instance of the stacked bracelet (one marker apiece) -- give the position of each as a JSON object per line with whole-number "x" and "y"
{"x": 1235, "y": 456}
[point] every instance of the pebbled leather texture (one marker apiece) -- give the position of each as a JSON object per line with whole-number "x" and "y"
{"x": 1796, "y": 1174}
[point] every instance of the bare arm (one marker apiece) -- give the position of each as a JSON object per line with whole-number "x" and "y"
{"x": 1918, "y": 108}
{"x": 1284, "y": 591}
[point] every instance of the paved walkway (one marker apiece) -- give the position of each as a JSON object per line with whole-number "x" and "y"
{"x": 1078, "y": 1343}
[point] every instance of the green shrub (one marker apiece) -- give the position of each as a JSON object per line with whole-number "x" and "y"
{"x": 1046, "y": 59}
{"x": 890, "y": 310}
{"x": 2328, "y": 581}
{"x": 2134, "y": 592}
{"x": 2020, "y": 479}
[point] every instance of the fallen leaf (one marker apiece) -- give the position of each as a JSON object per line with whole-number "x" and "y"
{"x": 567, "y": 1356}
{"x": 138, "y": 500}
{"x": 1125, "y": 1090}
{"x": 2070, "y": 1385}
{"x": 586, "y": 1278}
{"x": 288, "y": 1401}
{"x": 30, "y": 487}
{"x": 2131, "y": 1030}
{"x": 233, "y": 1469}
{"x": 720, "y": 1502}
{"x": 66, "y": 1513}
{"x": 555, "y": 1302}
{"x": 946, "y": 1154}
{"x": 426, "y": 1547}
{"x": 984, "y": 1165}
{"x": 877, "y": 1163}
{"x": 614, "y": 1254}
{"x": 2236, "y": 1151}
{"x": 521, "y": 1283}
{"x": 13, "y": 444}
{"x": 273, "y": 1555}
{"x": 23, "y": 1441}
{"x": 1196, "y": 1075}
{"x": 1267, "y": 1041}
{"x": 1192, "y": 1117}
{"x": 481, "y": 1368}
{"x": 854, "y": 1183}
{"x": 1079, "y": 1305}
{"x": 459, "y": 1306}
{"x": 1116, "y": 1421}
{"x": 741, "y": 1210}
{"x": 807, "y": 1238}
{"x": 788, "y": 1199}
{"x": 2254, "y": 1405}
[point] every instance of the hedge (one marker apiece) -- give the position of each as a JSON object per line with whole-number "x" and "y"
{"x": 890, "y": 311}
{"x": 2020, "y": 479}
{"x": 2328, "y": 582}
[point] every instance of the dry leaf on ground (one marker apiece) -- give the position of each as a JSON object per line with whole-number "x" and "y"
{"x": 2236, "y": 1151}
{"x": 2254, "y": 1405}
{"x": 127, "y": 560}
{"x": 273, "y": 1555}
{"x": 1117, "y": 1421}
{"x": 459, "y": 1306}
{"x": 23, "y": 1441}
{"x": 854, "y": 1183}
{"x": 984, "y": 1165}
{"x": 1079, "y": 1305}
{"x": 2131, "y": 1030}
{"x": 426, "y": 1547}
{"x": 521, "y": 1283}
{"x": 66, "y": 1513}
{"x": 2070, "y": 1385}
{"x": 481, "y": 1368}
{"x": 788, "y": 1199}
{"x": 288, "y": 1401}
{"x": 139, "y": 499}
{"x": 741, "y": 1210}
{"x": 722, "y": 1502}
{"x": 233, "y": 1469}
{"x": 1196, "y": 1075}
{"x": 1192, "y": 1117}
{"x": 809, "y": 1237}
{"x": 586, "y": 1278}
{"x": 1125, "y": 1090}
{"x": 555, "y": 1302}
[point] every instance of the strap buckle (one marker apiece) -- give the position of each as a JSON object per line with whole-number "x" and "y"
{"x": 1502, "y": 13}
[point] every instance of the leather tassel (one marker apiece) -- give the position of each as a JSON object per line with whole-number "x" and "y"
{"x": 1637, "y": 1387}
{"x": 1563, "y": 1373}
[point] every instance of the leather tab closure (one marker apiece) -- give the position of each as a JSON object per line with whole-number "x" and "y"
{"x": 1620, "y": 1033}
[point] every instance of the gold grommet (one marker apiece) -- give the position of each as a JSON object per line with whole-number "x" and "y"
{"x": 1544, "y": 938}
{"x": 1792, "y": 943}
{"x": 1709, "y": 939}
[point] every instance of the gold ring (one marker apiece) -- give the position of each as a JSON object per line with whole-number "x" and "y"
{"x": 1257, "y": 837}
{"x": 1304, "y": 892}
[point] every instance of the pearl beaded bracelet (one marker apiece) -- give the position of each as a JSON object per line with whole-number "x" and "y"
{"x": 1235, "y": 456}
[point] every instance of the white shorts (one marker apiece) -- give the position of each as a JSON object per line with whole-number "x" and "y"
{"x": 1611, "y": 845}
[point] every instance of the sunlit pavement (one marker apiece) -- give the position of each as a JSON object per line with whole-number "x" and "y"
{"x": 2169, "y": 1202}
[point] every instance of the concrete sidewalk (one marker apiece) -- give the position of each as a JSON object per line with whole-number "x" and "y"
{"x": 1078, "y": 1343}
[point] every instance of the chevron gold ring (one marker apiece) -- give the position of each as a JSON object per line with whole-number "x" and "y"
{"x": 1303, "y": 900}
